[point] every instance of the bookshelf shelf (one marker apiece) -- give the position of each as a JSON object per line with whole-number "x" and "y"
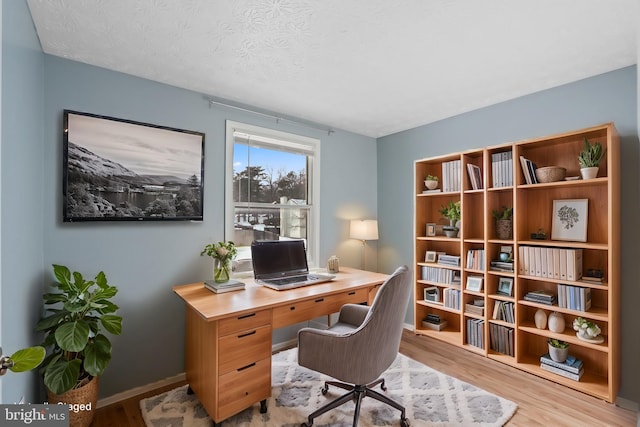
{"x": 503, "y": 182}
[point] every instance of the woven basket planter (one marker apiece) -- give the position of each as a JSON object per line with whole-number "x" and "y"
{"x": 86, "y": 395}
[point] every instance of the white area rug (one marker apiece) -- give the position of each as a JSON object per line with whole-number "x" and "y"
{"x": 430, "y": 398}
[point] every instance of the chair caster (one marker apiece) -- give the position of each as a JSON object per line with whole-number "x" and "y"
{"x": 382, "y": 386}
{"x": 324, "y": 390}
{"x": 306, "y": 425}
{"x": 404, "y": 422}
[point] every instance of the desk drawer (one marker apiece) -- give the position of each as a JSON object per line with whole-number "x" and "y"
{"x": 244, "y": 322}
{"x": 243, "y": 387}
{"x": 316, "y": 307}
{"x": 243, "y": 348}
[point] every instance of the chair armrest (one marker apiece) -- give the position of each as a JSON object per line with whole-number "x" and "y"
{"x": 353, "y": 314}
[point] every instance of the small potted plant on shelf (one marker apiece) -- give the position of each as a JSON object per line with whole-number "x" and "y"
{"x": 431, "y": 182}
{"x": 451, "y": 211}
{"x": 222, "y": 253}
{"x": 586, "y": 330}
{"x": 558, "y": 350}
{"x": 78, "y": 310}
{"x": 589, "y": 159}
{"x": 504, "y": 222}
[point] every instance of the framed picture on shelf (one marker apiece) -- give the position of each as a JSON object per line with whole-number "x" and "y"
{"x": 569, "y": 220}
{"x": 505, "y": 286}
{"x": 431, "y": 229}
{"x": 474, "y": 283}
{"x": 430, "y": 256}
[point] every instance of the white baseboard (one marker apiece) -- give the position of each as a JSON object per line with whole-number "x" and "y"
{"x": 118, "y": 397}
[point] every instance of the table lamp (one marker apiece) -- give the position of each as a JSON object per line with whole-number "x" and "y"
{"x": 364, "y": 230}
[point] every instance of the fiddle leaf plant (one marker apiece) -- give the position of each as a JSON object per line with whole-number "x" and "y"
{"x": 77, "y": 313}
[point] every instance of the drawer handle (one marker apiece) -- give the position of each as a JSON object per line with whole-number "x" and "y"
{"x": 352, "y": 293}
{"x": 246, "y": 367}
{"x": 246, "y": 316}
{"x": 247, "y": 334}
{"x": 292, "y": 308}
{"x": 319, "y": 300}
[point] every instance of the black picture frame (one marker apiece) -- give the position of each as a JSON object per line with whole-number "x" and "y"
{"x": 123, "y": 170}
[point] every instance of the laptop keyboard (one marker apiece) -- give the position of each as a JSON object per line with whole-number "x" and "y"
{"x": 288, "y": 280}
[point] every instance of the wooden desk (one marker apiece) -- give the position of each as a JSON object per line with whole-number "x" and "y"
{"x": 228, "y": 335}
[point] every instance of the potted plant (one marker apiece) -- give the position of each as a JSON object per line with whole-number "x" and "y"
{"x": 451, "y": 211}
{"x": 558, "y": 350}
{"x": 222, "y": 253}
{"x": 589, "y": 159}
{"x": 504, "y": 222}
{"x": 77, "y": 312}
{"x": 22, "y": 360}
{"x": 431, "y": 182}
{"x": 586, "y": 330}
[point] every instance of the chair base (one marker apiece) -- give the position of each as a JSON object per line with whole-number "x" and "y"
{"x": 357, "y": 393}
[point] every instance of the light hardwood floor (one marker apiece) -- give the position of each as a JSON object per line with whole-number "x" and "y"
{"x": 540, "y": 402}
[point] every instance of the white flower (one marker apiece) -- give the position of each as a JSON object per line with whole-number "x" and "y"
{"x": 222, "y": 252}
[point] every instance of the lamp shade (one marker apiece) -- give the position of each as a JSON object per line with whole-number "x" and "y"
{"x": 364, "y": 229}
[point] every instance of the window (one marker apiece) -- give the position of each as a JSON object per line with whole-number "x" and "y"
{"x": 270, "y": 189}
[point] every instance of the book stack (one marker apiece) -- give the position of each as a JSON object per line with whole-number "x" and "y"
{"x": 571, "y": 368}
{"x": 574, "y": 297}
{"x": 453, "y": 260}
{"x": 550, "y": 263}
{"x": 433, "y": 321}
{"x": 504, "y": 311}
{"x": 501, "y": 339}
{"x": 528, "y": 170}
{"x": 219, "y": 288}
{"x": 502, "y": 169}
{"x": 452, "y": 298}
{"x": 475, "y": 332}
{"x": 502, "y": 266}
{"x": 475, "y": 259}
{"x": 541, "y": 297}
{"x": 451, "y": 172}
{"x": 475, "y": 176}
{"x": 435, "y": 190}
{"x": 441, "y": 275}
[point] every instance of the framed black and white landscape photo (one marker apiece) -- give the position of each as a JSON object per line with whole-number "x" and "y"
{"x": 122, "y": 170}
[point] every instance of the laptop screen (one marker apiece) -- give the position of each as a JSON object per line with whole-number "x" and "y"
{"x": 278, "y": 258}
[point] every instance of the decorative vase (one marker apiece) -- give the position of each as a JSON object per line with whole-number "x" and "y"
{"x": 333, "y": 264}
{"x": 504, "y": 229}
{"x": 431, "y": 184}
{"x": 221, "y": 270}
{"x": 556, "y": 322}
{"x": 589, "y": 173}
{"x": 85, "y": 398}
{"x": 540, "y": 319}
{"x": 558, "y": 354}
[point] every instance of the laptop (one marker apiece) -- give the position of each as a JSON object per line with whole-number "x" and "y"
{"x": 282, "y": 264}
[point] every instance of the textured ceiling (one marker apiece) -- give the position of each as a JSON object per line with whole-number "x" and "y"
{"x": 374, "y": 67}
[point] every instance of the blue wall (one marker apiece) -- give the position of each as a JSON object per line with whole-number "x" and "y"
{"x": 146, "y": 259}
{"x": 610, "y": 97}
{"x": 21, "y": 178}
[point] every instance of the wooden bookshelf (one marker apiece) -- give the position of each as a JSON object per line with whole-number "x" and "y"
{"x": 505, "y": 185}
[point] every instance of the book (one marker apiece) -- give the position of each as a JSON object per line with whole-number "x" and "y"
{"x": 219, "y": 288}
{"x": 562, "y": 372}
{"x": 572, "y": 364}
{"x": 437, "y": 190}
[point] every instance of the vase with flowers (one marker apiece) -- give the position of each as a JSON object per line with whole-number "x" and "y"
{"x": 222, "y": 253}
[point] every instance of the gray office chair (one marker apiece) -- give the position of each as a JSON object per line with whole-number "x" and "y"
{"x": 360, "y": 346}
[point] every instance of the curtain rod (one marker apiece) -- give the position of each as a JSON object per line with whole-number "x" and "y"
{"x": 278, "y": 118}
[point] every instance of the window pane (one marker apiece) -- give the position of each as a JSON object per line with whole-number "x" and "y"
{"x": 264, "y": 175}
{"x": 257, "y": 223}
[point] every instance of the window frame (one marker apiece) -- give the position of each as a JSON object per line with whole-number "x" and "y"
{"x": 284, "y": 141}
